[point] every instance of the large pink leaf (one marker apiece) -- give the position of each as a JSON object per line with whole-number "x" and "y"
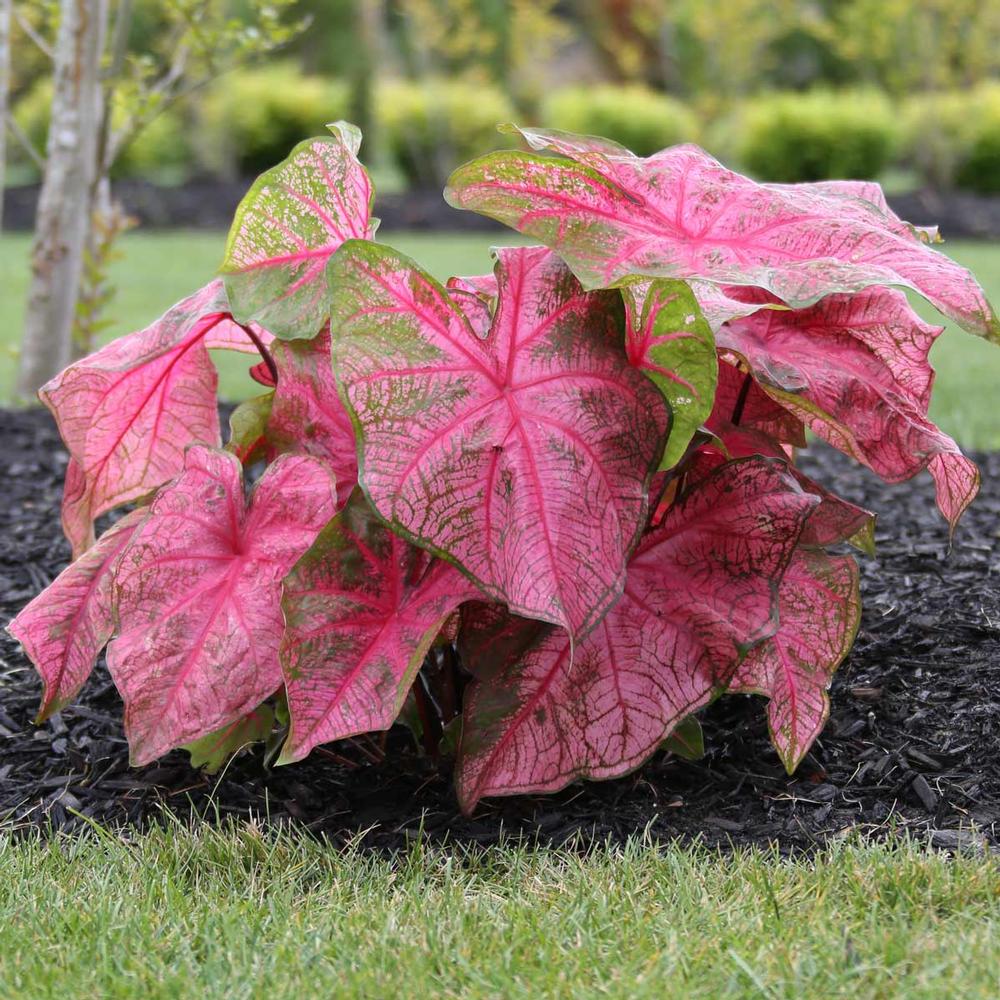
{"x": 289, "y": 223}
{"x": 362, "y": 608}
{"x": 127, "y": 412}
{"x": 820, "y": 608}
{"x": 681, "y": 214}
{"x": 701, "y": 590}
{"x": 524, "y": 457}
{"x": 199, "y": 595}
{"x": 668, "y": 338}
{"x": 307, "y": 415}
{"x": 834, "y": 519}
{"x": 855, "y": 370}
{"x": 65, "y": 627}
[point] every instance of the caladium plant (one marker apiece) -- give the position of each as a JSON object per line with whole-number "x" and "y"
{"x": 556, "y": 505}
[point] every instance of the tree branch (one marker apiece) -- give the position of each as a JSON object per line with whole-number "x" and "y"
{"x": 22, "y": 138}
{"x": 25, "y": 25}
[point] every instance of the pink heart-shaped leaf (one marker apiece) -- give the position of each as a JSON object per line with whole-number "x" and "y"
{"x": 524, "y": 457}
{"x": 819, "y": 611}
{"x": 681, "y": 214}
{"x": 834, "y": 520}
{"x": 289, "y": 223}
{"x": 65, "y": 627}
{"x": 127, "y": 412}
{"x": 307, "y": 416}
{"x": 199, "y": 595}
{"x": 854, "y": 369}
{"x": 701, "y": 590}
{"x": 362, "y": 608}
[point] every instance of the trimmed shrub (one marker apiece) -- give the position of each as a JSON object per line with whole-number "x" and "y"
{"x": 953, "y": 138}
{"x": 251, "y": 117}
{"x": 431, "y": 127}
{"x": 641, "y": 119}
{"x": 815, "y": 136}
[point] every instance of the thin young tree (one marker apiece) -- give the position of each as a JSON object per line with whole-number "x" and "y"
{"x": 5, "y": 29}
{"x": 62, "y": 221}
{"x": 103, "y": 96}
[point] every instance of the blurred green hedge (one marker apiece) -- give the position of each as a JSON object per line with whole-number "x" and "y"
{"x": 637, "y": 117}
{"x": 249, "y": 119}
{"x": 952, "y": 138}
{"x": 429, "y": 128}
{"x": 811, "y": 136}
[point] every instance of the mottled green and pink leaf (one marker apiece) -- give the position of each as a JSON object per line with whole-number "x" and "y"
{"x": 523, "y": 457}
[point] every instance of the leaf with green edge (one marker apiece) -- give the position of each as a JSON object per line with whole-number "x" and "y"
{"x": 865, "y": 191}
{"x": 362, "y": 608}
{"x": 668, "y": 338}
{"x": 198, "y": 595}
{"x": 525, "y": 457}
{"x": 286, "y": 228}
{"x": 820, "y": 609}
{"x": 210, "y": 753}
{"x": 68, "y": 624}
{"x": 613, "y": 216}
{"x": 701, "y": 590}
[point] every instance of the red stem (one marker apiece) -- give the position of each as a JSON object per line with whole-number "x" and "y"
{"x": 264, "y": 352}
{"x": 741, "y": 400}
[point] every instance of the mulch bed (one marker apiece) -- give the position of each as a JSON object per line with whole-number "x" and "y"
{"x": 913, "y": 743}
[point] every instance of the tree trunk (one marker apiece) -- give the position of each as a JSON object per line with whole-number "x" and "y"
{"x": 5, "y": 21}
{"x": 64, "y": 203}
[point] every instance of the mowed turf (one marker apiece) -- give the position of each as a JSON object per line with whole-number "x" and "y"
{"x": 241, "y": 914}
{"x": 159, "y": 268}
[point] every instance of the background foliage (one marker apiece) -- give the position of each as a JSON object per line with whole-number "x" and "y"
{"x": 784, "y": 89}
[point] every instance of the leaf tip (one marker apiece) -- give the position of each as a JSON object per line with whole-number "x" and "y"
{"x": 348, "y": 133}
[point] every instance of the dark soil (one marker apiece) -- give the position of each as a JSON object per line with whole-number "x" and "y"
{"x": 209, "y": 203}
{"x": 913, "y": 742}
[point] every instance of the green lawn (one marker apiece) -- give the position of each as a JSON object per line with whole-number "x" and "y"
{"x": 239, "y": 914}
{"x": 160, "y": 268}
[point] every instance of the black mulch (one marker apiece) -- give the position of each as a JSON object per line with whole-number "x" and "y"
{"x": 913, "y": 742}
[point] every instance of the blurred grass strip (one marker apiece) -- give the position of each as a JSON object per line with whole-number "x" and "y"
{"x": 159, "y": 268}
